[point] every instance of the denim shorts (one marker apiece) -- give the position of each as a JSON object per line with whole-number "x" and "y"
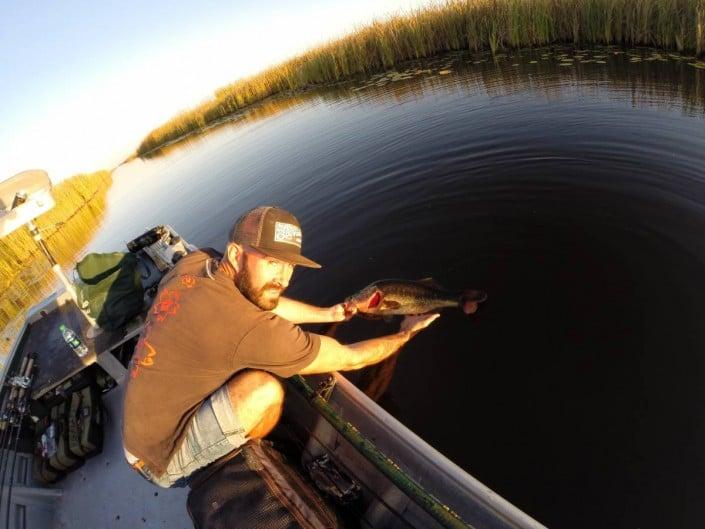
{"x": 214, "y": 431}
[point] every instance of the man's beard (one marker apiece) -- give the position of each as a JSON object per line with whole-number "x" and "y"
{"x": 258, "y": 296}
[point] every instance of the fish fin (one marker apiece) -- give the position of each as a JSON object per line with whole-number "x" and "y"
{"x": 390, "y": 304}
{"x": 470, "y": 299}
{"x": 330, "y": 330}
{"x": 430, "y": 282}
{"x": 474, "y": 295}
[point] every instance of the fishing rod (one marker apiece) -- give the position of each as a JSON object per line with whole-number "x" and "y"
{"x": 20, "y": 412}
{"x": 4, "y": 416}
{"x": 3, "y": 419}
{"x": 6, "y": 425}
{"x": 9, "y": 419}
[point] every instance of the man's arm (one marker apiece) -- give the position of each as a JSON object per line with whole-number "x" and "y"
{"x": 334, "y": 356}
{"x": 298, "y": 312}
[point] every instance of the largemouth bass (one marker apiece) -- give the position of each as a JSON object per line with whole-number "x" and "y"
{"x": 391, "y": 297}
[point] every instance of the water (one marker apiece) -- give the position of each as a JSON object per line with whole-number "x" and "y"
{"x": 574, "y": 195}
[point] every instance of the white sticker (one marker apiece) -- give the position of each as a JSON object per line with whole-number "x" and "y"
{"x": 287, "y": 233}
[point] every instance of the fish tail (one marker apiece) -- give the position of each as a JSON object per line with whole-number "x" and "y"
{"x": 470, "y": 298}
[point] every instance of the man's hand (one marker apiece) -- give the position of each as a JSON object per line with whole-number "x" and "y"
{"x": 298, "y": 312}
{"x": 333, "y": 356}
{"x": 342, "y": 312}
{"x": 415, "y": 324}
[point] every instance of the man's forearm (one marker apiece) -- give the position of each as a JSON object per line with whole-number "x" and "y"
{"x": 375, "y": 350}
{"x": 334, "y": 356}
{"x": 299, "y": 312}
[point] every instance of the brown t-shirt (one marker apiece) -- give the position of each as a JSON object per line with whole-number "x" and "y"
{"x": 200, "y": 332}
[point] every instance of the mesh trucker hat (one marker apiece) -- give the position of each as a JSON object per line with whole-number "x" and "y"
{"x": 274, "y": 232}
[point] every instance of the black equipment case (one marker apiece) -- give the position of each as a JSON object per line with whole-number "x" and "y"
{"x": 259, "y": 489}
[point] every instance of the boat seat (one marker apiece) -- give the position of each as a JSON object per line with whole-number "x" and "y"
{"x": 256, "y": 488}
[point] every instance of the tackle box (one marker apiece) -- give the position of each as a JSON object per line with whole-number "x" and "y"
{"x": 85, "y": 422}
{"x": 62, "y": 458}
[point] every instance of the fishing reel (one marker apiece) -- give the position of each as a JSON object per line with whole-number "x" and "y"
{"x": 20, "y": 381}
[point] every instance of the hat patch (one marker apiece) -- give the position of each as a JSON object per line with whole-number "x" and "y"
{"x": 287, "y": 233}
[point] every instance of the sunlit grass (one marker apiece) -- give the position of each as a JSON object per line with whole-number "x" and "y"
{"x": 456, "y": 25}
{"x": 24, "y": 271}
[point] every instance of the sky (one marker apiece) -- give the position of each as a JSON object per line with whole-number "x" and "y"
{"x": 82, "y": 82}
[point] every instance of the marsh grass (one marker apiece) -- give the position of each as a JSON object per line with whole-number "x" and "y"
{"x": 24, "y": 271}
{"x": 257, "y": 111}
{"x": 455, "y": 25}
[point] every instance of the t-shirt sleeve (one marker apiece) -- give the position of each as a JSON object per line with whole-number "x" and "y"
{"x": 278, "y": 346}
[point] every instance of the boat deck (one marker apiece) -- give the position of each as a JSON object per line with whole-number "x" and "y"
{"x": 56, "y": 361}
{"x": 105, "y": 492}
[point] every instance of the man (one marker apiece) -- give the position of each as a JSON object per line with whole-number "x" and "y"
{"x": 202, "y": 377}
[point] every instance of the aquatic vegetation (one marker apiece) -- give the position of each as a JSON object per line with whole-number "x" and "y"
{"x": 471, "y": 25}
{"x": 24, "y": 271}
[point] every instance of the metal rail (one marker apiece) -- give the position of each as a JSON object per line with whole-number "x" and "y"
{"x": 434, "y": 507}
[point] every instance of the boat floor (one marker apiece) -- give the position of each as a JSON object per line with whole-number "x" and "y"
{"x": 105, "y": 492}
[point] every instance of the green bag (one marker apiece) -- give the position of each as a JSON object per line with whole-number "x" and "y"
{"x": 112, "y": 289}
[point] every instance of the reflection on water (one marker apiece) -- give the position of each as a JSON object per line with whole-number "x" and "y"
{"x": 264, "y": 109}
{"x": 570, "y": 189}
{"x": 644, "y": 76}
{"x": 25, "y": 273}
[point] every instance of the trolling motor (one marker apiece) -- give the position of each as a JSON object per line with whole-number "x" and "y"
{"x": 23, "y": 198}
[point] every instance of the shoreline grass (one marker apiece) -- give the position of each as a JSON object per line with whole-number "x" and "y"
{"x": 472, "y": 25}
{"x": 24, "y": 271}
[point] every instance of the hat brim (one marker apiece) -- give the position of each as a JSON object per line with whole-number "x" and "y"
{"x": 289, "y": 257}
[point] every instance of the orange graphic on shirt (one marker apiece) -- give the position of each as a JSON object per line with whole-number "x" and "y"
{"x": 166, "y": 305}
{"x": 143, "y": 357}
{"x": 188, "y": 281}
{"x": 148, "y": 359}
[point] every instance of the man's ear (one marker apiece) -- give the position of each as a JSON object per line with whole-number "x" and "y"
{"x": 233, "y": 253}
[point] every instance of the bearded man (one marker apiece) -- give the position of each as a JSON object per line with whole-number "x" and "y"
{"x": 203, "y": 378}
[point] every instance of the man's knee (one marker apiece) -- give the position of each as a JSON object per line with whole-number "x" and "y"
{"x": 256, "y": 385}
{"x": 254, "y": 396}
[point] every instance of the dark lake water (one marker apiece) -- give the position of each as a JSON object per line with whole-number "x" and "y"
{"x": 573, "y": 193}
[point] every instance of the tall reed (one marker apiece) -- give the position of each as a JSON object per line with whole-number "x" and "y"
{"x": 24, "y": 271}
{"x": 455, "y": 25}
